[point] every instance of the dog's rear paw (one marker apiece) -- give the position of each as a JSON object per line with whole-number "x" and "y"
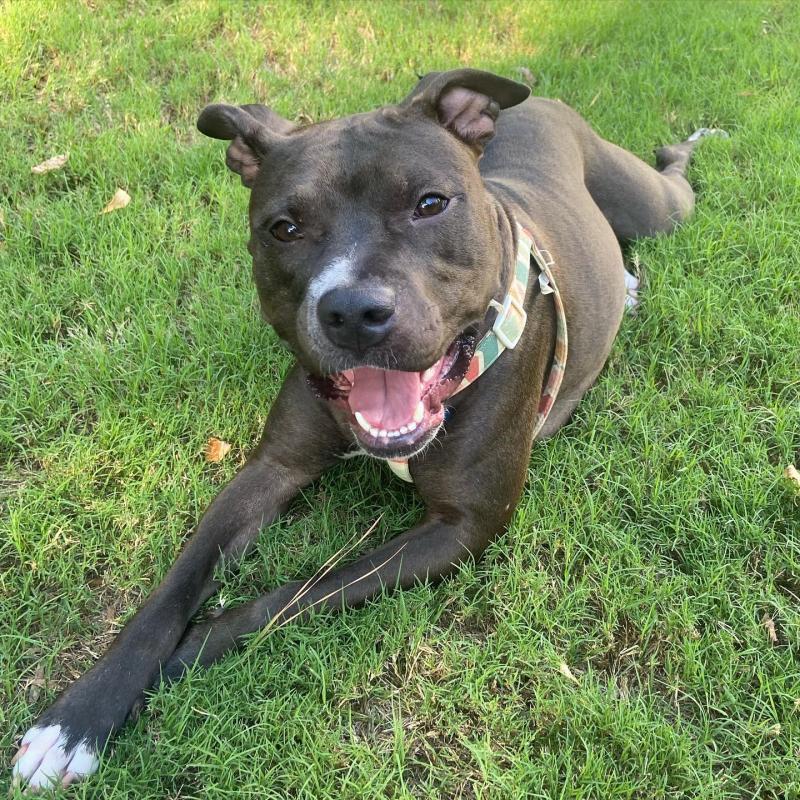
{"x": 49, "y": 757}
{"x": 631, "y": 291}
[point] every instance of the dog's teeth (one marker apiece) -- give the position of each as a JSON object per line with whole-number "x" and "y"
{"x": 361, "y": 421}
{"x": 412, "y": 427}
{"x": 393, "y": 434}
{"x": 383, "y": 434}
{"x": 374, "y": 432}
{"x": 428, "y": 374}
{"x": 419, "y": 414}
{"x": 404, "y": 429}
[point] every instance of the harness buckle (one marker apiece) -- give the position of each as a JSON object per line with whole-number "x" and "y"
{"x": 510, "y": 321}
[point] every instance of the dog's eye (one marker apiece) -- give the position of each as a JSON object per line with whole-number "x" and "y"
{"x": 285, "y": 231}
{"x": 430, "y": 205}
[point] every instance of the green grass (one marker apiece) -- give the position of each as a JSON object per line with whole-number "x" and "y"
{"x": 655, "y": 532}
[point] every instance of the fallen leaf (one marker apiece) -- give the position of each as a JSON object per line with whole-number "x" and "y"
{"x": 767, "y": 622}
{"x": 33, "y": 686}
{"x": 791, "y": 473}
{"x": 527, "y": 76}
{"x": 216, "y": 450}
{"x": 120, "y": 199}
{"x": 54, "y": 163}
{"x": 564, "y": 669}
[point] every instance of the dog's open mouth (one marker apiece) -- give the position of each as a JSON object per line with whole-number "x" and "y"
{"x": 392, "y": 413}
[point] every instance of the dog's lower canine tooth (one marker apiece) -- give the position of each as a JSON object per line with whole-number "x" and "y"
{"x": 428, "y": 374}
{"x": 412, "y": 427}
{"x": 419, "y": 413}
{"x": 361, "y": 421}
{"x": 404, "y": 429}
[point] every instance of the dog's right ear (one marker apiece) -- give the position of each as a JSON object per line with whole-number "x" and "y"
{"x": 252, "y": 130}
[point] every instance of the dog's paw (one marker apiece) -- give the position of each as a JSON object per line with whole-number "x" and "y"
{"x": 631, "y": 291}
{"x": 49, "y": 757}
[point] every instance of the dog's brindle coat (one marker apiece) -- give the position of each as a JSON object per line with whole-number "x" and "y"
{"x": 350, "y": 188}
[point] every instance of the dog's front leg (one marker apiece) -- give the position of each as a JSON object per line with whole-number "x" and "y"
{"x": 427, "y": 552}
{"x": 459, "y": 522}
{"x": 300, "y": 440}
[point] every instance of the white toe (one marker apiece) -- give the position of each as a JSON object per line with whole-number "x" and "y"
{"x": 51, "y": 770}
{"x": 39, "y": 741}
{"x": 631, "y": 291}
{"x": 84, "y": 761}
{"x": 46, "y": 761}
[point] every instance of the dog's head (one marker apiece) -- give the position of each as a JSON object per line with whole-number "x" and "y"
{"x": 375, "y": 246}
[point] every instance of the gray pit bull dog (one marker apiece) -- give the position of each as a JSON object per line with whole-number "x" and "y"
{"x": 392, "y": 251}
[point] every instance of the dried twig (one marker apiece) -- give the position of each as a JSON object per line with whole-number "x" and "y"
{"x": 335, "y": 591}
{"x": 325, "y": 569}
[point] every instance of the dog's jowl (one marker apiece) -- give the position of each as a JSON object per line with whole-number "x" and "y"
{"x": 452, "y": 260}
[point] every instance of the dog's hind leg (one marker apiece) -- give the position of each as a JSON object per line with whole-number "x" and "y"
{"x": 636, "y": 199}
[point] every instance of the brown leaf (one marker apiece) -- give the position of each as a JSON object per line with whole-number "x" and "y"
{"x": 54, "y": 163}
{"x": 791, "y": 474}
{"x": 120, "y": 199}
{"x": 767, "y": 622}
{"x": 33, "y": 686}
{"x": 564, "y": 669}
{"x": 527, "y": 76}
{"x": 216, "y": 450}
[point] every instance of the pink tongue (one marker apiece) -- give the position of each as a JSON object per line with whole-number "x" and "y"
{"x": 387, "y": 398}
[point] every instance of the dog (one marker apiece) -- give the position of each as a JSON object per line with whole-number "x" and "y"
{"x": 452, "y": 261}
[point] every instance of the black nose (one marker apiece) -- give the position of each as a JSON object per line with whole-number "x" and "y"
{"x": 357, "y": 318}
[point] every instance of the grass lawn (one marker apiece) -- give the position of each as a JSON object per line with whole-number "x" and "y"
{"x": 656, "y": 544}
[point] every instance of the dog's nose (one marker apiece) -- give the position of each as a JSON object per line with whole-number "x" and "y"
{"x": 357, "y": 318}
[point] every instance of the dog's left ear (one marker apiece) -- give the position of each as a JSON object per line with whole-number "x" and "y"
{"x": 465, "y": 101}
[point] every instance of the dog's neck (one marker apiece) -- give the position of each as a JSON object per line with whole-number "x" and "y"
{"x": 506, "y": 245}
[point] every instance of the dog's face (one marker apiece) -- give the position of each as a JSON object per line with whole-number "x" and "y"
{"x": 375, "y": 246}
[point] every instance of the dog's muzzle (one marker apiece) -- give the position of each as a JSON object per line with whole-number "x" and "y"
{"x": 394, "y": 413}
